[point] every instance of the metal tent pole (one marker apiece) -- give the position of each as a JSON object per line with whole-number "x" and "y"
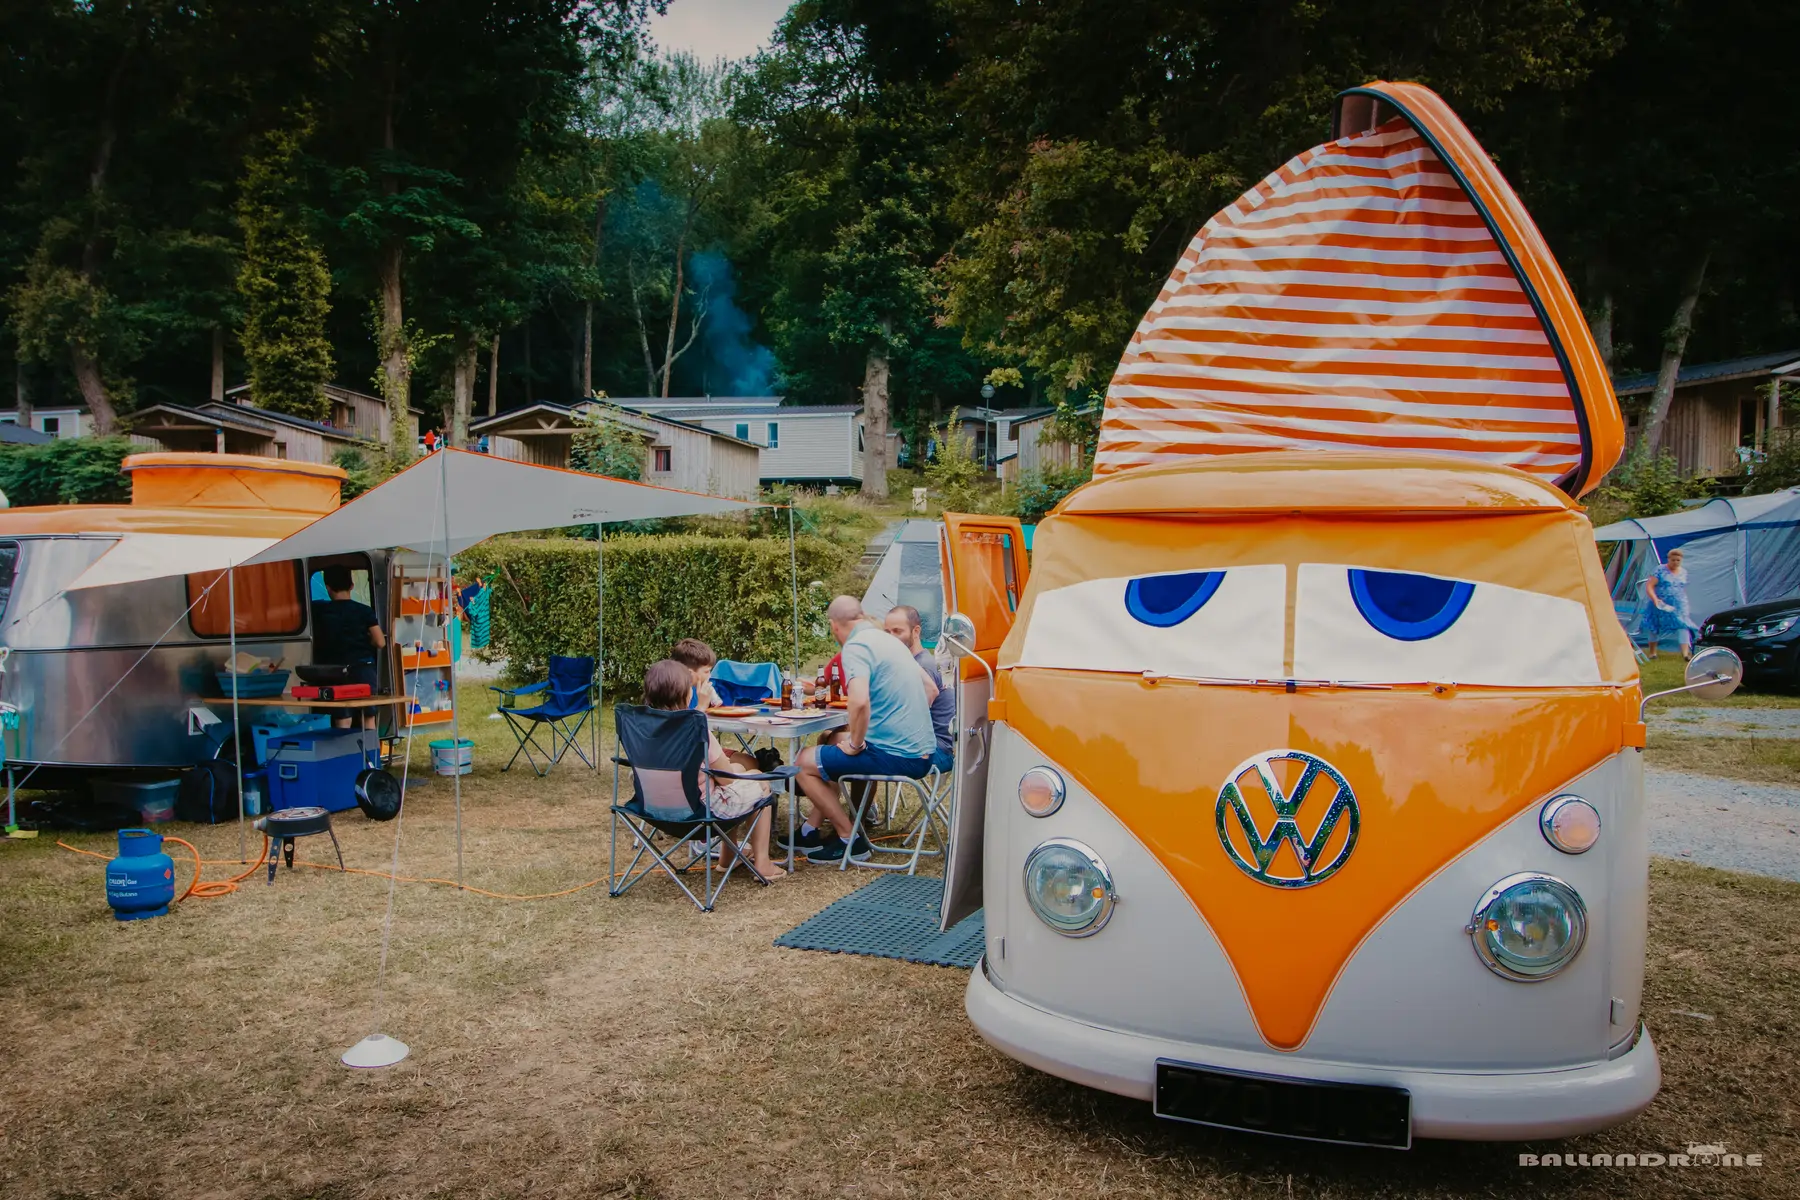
{"x": 600, "y": 632}
{"x": 455, "y": 702}
{"x": 237, "y": 743}
{"x": 794, "y": 581}
{"x": 599, "y": 636}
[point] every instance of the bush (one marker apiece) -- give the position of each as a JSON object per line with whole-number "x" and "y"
{"x": 66, "y": 471}
{"x": 1779, "y": 466}
{"x": 1643, "y": 486}
{"x": 730, "y": 592}
{"x": 1039, "y": 492}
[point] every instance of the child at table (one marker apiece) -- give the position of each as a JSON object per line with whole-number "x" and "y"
{"x": 699, "y": 659}
{"x": 667, "y": 685}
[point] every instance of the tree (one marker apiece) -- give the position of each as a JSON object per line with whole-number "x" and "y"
{"x": 285, "y": 284}
{"x": 1098, "y": 136}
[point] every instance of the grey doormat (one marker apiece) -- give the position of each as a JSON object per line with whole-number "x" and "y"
{"x": 896, "y": 916}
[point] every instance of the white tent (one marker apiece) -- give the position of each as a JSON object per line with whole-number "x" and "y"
{"x": 1737, "y": 550}
{"x": 440, "y": 505}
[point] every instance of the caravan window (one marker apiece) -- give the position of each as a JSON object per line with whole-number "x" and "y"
{"x": 9, "y": 566}
{"x": 269, "y": 602}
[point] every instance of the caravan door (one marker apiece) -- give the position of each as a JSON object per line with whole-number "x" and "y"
{"x": 984, "y": 576}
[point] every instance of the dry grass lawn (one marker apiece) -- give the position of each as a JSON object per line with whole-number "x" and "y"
{"x": 591, "y": 1047}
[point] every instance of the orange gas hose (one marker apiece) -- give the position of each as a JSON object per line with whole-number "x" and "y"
{"x": 204, "y": 890}
{"x": 225, "y": 887}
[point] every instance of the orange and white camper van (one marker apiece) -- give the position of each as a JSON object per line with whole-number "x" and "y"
{"x": 1300, "y": 766}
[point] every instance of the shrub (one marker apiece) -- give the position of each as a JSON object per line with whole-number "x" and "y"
{"x": 956, "y": 476}
{"x": 1643, "y": 486}
{"x": 1039, "y": 492}
{"x": 730, "y": 592}
{"x": 66, "y": 471}
{"x": 1779, "y": 466}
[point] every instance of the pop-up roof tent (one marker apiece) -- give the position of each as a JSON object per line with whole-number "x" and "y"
{"x": 1736, "y": 550}
{"x": 1384, "y": 291}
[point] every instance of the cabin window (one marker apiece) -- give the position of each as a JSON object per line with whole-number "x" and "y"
{"x": 859, "y": 439}
{"x": 9, "y": 566}
{"x": 53, "y": 426}
{"x": 774, "y": 442}
{"x": 269, "y": 602}
{"x": 660, "y": 459}
{"x": 743, "y": 431}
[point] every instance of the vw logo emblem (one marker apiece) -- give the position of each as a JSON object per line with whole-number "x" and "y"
{"x": 1320, "y": 789}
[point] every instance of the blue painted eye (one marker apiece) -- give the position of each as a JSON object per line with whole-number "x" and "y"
{"x": 1165, "y": 600}
{"x": 1409, "y": 608}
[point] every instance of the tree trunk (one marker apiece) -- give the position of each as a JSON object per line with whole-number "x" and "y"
{"x": 875, "y": 420}
{"x": 463, "y": 392}
{"x": 1675, "y": 339}
{"x": 396, "y": 370}
{"x": 668, "y": 367}
{"x": 494, "y": 378}
{"x": 22, "y": 393}
{"x": 218, "y": 365}
{"x": 587, "y": 351}
{"x": 1601, "y": 322}
{"x": 93, "y": 390}
{"x": 637, "y": 308}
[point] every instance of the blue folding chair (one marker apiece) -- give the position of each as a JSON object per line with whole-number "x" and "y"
{"x": 570, "y": 699}
{"x": 746, "y": 683}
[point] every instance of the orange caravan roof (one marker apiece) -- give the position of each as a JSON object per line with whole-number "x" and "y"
{"x": 1384, "y": 291}
{"x": 226, "y": 495}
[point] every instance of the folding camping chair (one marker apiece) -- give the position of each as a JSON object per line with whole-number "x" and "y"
{"x": 886, "y": 794}
{"x": 572, "y": 700}
{"x": 746, "y": 683}
{"x": 665, "y": 751}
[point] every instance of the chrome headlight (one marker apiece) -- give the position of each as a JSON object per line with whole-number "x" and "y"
{"x": 1041, "y": 791}
{"x": 1570, "y": 824}
{"x": 1769, "y": 629}
{"x": 1528, "y": 927}
{"x": 1069, "y": 887}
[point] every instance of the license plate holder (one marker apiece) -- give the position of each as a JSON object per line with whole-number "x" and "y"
{"x": 1345, "y": 1114}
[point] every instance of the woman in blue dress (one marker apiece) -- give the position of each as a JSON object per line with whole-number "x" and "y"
{"x": 1668, "y": 615}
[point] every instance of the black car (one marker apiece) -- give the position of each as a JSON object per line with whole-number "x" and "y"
{"x": 1766, "y": 636}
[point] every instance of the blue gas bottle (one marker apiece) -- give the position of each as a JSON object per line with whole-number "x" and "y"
{"x": 141, "y": 881}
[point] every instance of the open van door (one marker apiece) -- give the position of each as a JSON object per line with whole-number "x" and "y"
{"x": 984, "y": 576}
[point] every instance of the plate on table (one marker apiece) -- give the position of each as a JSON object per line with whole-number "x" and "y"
{"x": 732, "y": 710}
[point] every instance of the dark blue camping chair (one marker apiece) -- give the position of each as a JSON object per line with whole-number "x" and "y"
{"x": 665, "y": 751}
{"x": 570, "y": 700}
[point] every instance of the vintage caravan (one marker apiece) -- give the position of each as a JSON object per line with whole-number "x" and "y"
{"x": 105, "y": 677}
{"x": 1300, "y": 769}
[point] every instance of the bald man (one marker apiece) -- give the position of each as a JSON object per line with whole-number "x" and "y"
{"x": 890, "y": 723}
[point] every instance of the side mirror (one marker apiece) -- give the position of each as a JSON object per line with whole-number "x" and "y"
{"x": 1712, "y": 674}
{"x": 959, "y": 632}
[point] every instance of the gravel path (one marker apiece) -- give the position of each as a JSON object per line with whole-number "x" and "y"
{"x": 1724, "y": 822}
{"x": 1727, "y": 722}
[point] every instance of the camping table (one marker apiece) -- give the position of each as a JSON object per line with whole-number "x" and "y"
{"x": 793, "y": 731}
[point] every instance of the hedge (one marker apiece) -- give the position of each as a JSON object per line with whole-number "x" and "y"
{"x": 66, "y": 471}
{"x": 732, "y": 593}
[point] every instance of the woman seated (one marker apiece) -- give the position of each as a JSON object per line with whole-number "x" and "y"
{"x": 667, "y": 685}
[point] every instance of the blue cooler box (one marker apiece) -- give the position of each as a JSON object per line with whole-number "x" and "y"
{"x": 320, "y": 768}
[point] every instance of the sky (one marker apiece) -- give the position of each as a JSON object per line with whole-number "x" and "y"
{"x": 717, "y": 28}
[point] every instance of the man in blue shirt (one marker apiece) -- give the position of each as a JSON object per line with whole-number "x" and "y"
{"x": 890, "y": 723}
{"x": 903, "y": 622}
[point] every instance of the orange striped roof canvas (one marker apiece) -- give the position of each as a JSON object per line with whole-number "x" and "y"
{"x": 1385, "y": 290}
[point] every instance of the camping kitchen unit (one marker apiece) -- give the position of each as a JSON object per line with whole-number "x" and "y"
{"x": 1300, "y": 777}
{"x": 105, "y": 677}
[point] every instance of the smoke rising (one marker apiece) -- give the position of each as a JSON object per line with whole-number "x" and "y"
{"x": 735, "y": 364}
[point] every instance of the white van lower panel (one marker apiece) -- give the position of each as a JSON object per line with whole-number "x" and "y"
{"x": 1471, "y": 1106}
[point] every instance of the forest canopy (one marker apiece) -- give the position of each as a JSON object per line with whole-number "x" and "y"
{"x": 459, "y": 204}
